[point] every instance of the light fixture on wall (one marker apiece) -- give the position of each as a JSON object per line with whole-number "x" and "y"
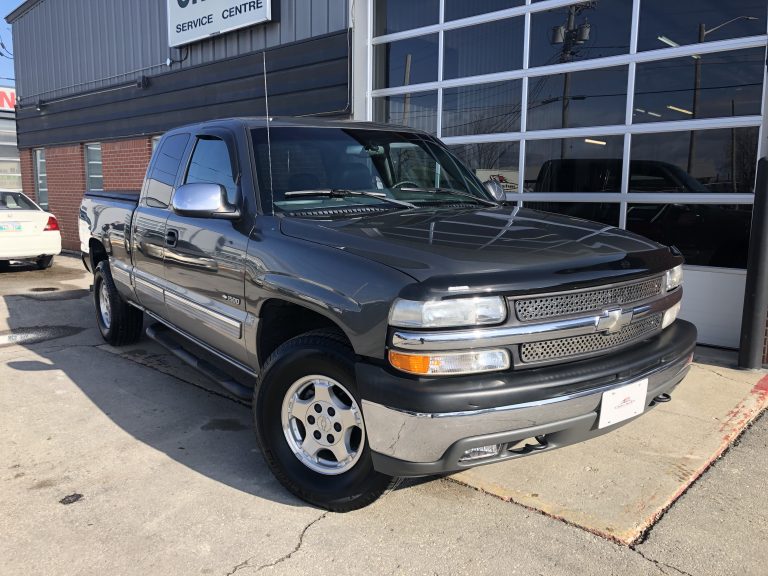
{"x": 595, "y": 142}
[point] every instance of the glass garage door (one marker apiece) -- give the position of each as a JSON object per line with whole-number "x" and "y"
{"x": 647, "y": 115}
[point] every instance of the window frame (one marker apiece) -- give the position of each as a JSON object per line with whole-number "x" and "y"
{"x": 626, "y": 129}
{"x": 229, "y": 140}
{"x": 36, "y": 153}
{"x": 86, "y": 148}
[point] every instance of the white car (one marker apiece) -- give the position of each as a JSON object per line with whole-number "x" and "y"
{"x": 27, "y": 232}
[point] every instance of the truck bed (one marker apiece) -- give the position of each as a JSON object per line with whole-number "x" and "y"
{"x": 105, "y": 217}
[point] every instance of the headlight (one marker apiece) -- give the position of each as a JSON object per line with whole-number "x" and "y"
{"x": 448, "y": 313}
{"x": 450, "y": 363}
{"x": 673, "y": 278}
{"x": 670, "y": 316}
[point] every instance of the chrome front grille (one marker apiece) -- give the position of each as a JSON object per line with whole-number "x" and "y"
{"x": 568, "y": 348}
{"x": 562, "y": 305}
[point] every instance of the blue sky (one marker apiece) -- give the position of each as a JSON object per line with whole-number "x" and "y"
{"x": 6, "y": 65}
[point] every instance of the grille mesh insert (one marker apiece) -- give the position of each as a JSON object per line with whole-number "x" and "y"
{"x": 579, "y": 345}
{"x": 579, "y": 302}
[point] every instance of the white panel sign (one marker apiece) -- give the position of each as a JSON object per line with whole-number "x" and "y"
{"x": 191, "y": 20}
{"x": 8, "y": 99}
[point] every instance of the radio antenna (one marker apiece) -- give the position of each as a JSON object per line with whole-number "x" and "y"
{"x": 269, "y": 140}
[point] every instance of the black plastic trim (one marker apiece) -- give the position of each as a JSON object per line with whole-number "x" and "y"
{"x": 310, "y": 77}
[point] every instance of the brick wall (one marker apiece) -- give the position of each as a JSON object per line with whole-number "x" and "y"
{"x": 27, "y": 173}
{"x": 125, "y": 163}
{"x": 765, "y": 344}
{"x": 65, "y": 166}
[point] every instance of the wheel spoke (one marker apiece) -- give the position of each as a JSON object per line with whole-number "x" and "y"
{"x": 340, "y": 451}
{"x": 348, "y": 419}
{"x": 299, "y": 409}
{"x": 323, "y": 392}
{"x": 311, "y": 447}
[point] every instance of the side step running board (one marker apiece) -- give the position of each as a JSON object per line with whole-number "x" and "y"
{"x": 166, "y": 338}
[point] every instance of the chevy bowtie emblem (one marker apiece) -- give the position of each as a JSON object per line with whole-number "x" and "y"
{"x": 614, "y": 320}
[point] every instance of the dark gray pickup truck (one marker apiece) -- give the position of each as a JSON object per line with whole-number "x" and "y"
{"x": 383, "y": 312}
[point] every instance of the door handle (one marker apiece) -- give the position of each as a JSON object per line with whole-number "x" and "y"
{"x": 171, "y": 237}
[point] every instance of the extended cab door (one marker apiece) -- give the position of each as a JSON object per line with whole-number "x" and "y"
{"x": 205, "y": 257}
{"x": 148, "y": 225}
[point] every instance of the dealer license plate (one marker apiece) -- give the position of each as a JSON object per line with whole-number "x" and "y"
{"x": 623, "y": 403}
{"x": 11, "y": 227}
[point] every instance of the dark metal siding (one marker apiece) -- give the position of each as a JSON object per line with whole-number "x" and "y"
{"x": 309, "y": 77}
{"x": 65, "y": 47}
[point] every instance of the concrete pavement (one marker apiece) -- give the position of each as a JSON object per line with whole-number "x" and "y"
{"x": 124, "y": 462}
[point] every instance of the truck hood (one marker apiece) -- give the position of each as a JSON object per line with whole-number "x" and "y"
{"x": 503, "y": 250}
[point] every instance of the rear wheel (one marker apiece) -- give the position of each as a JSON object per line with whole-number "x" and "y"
{"x": 44, "y": 262}
{"x": 5, "y": 264}
{"x": 310, "y": 425}
{"x": 119, "y": 322}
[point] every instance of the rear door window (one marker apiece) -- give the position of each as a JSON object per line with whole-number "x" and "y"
{"x": 166, "y": 167}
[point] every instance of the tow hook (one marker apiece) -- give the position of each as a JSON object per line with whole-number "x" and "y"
{"x": 541, "y": 444}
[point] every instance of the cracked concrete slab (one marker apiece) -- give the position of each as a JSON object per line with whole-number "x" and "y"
{"x": 619, "y": 484}
{"x": 720, "y": 525}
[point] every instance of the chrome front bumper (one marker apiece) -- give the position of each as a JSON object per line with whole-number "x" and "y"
{"x": 434, "y": 442}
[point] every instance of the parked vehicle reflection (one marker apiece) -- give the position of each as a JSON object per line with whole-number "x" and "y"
{"x": 707, "y": 234}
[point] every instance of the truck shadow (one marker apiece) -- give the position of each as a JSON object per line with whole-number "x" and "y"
{"x": 205, "y": 432}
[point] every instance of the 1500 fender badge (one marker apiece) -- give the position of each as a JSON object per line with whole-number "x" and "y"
{"x": 231, "y": 299}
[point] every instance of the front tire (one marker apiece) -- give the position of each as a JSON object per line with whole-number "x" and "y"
{"x": 310, "y": 426}
{"x": 119, "y": 322}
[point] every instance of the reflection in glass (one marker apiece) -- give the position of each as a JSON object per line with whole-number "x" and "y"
{"x": 415, "y": 110}
{"x": 41, "y": 178}
{"x": 484, "y": 49}
{"x": 664, "y": 23}
{"x": 706, "y": 234}
{"x": 397, "y": 15}
{"x": 590, "y": 98}
{"x": 498, "y": 161}
{"x": 604, "y": 212}
{"x": 723, "y": 160}
{"x": 483, "y": 109}
{"x": 729, "y": 84}
{"x": 580, "y": 32}
{"x": 10, "y": 175}
{"x": 93, "y": 172}
{"x": 456, "y": 9}
{"x": 406, "y": 62}
{"x": 574, "y": 164}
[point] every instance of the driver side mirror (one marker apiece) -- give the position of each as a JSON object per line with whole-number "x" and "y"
{"x": 204, "y": 200}
{"x": 495, "y": 190}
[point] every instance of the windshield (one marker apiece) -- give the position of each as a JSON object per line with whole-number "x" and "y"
{"x": 15, "y": 201}
{"x": 401, "y": 166}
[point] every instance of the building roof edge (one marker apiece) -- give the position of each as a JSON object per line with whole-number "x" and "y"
{"x": 21, "y": 10}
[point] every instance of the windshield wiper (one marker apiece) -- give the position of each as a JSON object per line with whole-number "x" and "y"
{"x": 452, "y": 191}
{"x": 342, "y": 193}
